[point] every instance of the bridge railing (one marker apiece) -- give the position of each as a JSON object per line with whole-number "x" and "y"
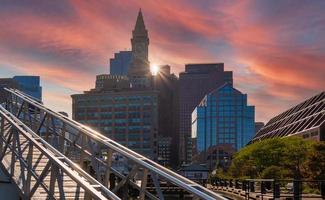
{"x": 272, "y": 188}
{"x": 94, "y": 152}
{"x": 21, "y": 151}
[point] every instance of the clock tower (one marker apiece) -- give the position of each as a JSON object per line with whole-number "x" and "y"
{"x": 139, "y": 66}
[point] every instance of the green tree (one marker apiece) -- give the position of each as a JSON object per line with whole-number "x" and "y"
{"x": 295, "y": 155}
{"x": 272, "y": 158}
{"x": 275, "y": 172}
{"x": 315, "y": 164}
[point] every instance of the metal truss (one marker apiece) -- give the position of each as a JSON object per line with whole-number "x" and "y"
{"x": 39, "y": 170}
{"x": 94, "y": 153}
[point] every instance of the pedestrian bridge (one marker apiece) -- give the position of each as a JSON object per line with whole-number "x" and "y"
{"x": 46, "y": 155}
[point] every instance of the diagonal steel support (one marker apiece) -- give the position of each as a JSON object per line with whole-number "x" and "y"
{"x": 13, "y": 156}
{"x": 155, "y": 180}
{"x": 41, "y": 178}
{"x": 2, "y": 132}
{"x": 29, "y": 173}
{"x": 108, "y": 166}
{"x": 60, "y": 184}
{"x": 84, "y": 151}
{"x": 20, "y": 109}
{"x": 143, "y": 184}
{"x": 41, "y": 124}
{"x": 54, "y": 157}
{"x": 21, "y": 161}
{"x": 6, "y": 145}
{"x": 55, "y": 178}
{"x": 126, "y": 178}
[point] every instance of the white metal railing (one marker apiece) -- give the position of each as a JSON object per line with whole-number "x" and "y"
{"x": 89, "y": 145}
{"x": 21, "y": 151}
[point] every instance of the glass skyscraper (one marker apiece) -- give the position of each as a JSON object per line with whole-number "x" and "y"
{"x": 221, "y": 124}
{"x": 194, "y": 83}
{"x": 29, "y": 85}
{"x": 119, "y": 65}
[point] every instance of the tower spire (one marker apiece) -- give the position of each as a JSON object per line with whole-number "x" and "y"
{"x": 139, "y": 65}
{"x": 139, "y": 25}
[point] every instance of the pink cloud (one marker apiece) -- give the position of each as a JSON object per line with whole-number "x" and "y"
{"x": 281, "y": 52}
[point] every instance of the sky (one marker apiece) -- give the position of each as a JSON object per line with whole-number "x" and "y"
{"x": 276, "y": 49}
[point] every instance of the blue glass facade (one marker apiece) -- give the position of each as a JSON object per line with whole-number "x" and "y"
{"x": 223, "y": 119}
{"x": 194, "y": 83}
{"x": 29, "y": 85}
{"x": 119, "y": 65}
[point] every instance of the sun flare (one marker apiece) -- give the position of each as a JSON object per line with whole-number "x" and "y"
{"x": 154, "y": 69}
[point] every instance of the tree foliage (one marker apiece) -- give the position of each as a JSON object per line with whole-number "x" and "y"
{"x": 315, "y": 165}
{"x": 280, "y": 158}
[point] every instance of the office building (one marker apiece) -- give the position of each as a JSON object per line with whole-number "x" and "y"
{"x": 167, "y": 84}
{"x": 307, "y": 120}
{"x": 136, "y": 108}
{"x": 258, "y": 126}
{"x": 164, "y": 150}
{"x": 130, "y": 117}
{"x": 221, "y": 124}
{"x": 111, "y": 82}
{"x": 197, "y": 81}
{"x": 119, "y": 65}
{"x": 29, "y": 85}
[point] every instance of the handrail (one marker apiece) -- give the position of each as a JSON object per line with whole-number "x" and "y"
{"x": 184, "y": 183}
{"x": 69, "y": 167}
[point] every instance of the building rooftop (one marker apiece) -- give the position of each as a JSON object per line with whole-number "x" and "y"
{"x": 200, "y": 68}
{"x": 305, "y": 116}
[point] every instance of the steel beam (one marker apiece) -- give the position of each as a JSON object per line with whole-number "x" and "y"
{"x": 56, "y": 159}
{"x": 133, "y": 157}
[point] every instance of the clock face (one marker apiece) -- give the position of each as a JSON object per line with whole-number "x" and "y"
{"x": 139, "y": 48}
{"x": 140, "y": 51}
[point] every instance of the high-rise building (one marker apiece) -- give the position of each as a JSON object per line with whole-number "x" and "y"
{"x": 111, "y": 82}
{"x": 125, "y": 115}
{"x": 27, "y": 84}
{"x": 221, "y": 124}
{"x": 119, "y": 65}
{"x": 167, "y": 84}
{"x": 258, "y": 126}
{"x": 306, "y": 120}
{"x": 125, "y": 107}
{"x": 197, "y": 81}
{"x": 30, "y": 85}
{"x": 145, "y": 106}
{"x": 164, "y": 150}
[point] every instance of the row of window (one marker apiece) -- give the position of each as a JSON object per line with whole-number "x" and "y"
{"x": 118, "y": 98}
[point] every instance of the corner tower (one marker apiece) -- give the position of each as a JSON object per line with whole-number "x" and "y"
{"x": 139, "y": 65}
